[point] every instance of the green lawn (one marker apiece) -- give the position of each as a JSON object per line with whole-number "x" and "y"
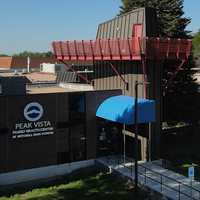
{"x": 92, "y": 185}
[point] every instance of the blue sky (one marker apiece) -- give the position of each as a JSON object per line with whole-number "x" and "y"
{"x": 33, "y": 24}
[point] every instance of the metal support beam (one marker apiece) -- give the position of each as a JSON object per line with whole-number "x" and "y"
{"x": 117, "y": 72}
{"x": 75, "y": 71}
{"x": 172, "y": 77}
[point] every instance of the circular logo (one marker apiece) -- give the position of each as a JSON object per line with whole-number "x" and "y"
{"x": 33, "y": 111}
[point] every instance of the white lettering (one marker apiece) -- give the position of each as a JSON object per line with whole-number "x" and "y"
{"x": 48, "y": 133}
{"x": 36, "y": 134}
{"x": 31, "y": 129}
{"x": 23, "y": 126}
{"x": 42, "y": 124}
{"x": 25, "y": 135}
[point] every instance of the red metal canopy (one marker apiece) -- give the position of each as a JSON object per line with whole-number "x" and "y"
{"x": 143, "y": 48}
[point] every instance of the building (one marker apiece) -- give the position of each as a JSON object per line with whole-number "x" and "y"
{"x": 48, "y": 129}
{"x": 51, "y": 133}
{"x": 21, "y": 63}
{"x": 127, "y": 49}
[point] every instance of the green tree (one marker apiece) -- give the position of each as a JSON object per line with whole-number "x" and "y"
{"x": 181, "y": 98}
{"x": 196, "y": 44}
{"x": 3, "y": 55}
{"x": 33, "y": 54}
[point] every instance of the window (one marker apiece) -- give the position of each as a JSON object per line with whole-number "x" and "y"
{"x": 76, "y": 106}
{"x": 77, "y": 142}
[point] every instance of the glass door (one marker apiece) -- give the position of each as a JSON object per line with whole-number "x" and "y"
{"x": 109, "y": 138}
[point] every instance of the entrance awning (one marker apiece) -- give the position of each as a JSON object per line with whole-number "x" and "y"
{"x": 122, "y": 109}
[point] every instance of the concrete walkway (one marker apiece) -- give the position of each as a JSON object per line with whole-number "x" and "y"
{"x": 169, "y": 184}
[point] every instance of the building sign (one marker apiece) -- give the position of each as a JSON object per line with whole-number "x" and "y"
{"x": 33, "y": 111}
{"x": 34, "y": 128}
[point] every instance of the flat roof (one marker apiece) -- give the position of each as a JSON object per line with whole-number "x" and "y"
{"x": 34, "y": 77}
{"x": 47, "y": 90}
{"x": 45, "y": 83}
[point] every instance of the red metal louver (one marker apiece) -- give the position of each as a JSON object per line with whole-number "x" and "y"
{"x": 123, "y": 49}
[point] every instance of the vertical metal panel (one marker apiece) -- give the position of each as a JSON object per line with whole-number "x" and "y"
{"x": 99, "y": 31}
{"x": 105, "y": 30}
{"x": 99, "y": 77}
{"x": 127, "y": 26}
{"x": 145, "y": 16}
{"x": 119, "y": 28}
{"x": 141, "y": 17}
{"x": 102, "y": 76}
{"x": 158, "y": 97}
{"x": 134, "y": 18}
{"x": 108, "y": 31}
{"x": 123, "y": 27}
{"x": 106, "y": 82}
{"x": 115, "y": 28}
{"x": 114, "y": 80}
{"x": 112, "y": 29}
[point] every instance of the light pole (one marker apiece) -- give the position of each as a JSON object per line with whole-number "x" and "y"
{"x": 136, "y": 136}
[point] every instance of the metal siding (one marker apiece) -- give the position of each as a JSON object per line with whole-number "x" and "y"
{"x": 127, "y": 71}
{"x": 108, "y": 74}
{"x": 154, "y": 70}
{"x": 98, "y": 32}
{"x": 99, "y": 73}
{"x": 105, "y": 30}
{"x": 119, "y": 65}
{"x": 122, "y": 35}
{"x": 133, "y": 20}
{"x": 113, "y": 74}
{"x": 145, "y": 16}
{"x": 134, "y": 17}
{"x": 120, "y": 28}
{"x": 131, "y": 71}
{"x": 158, "y": 97}
{"x": 115, "y": 28}
{"x": 126, "y": 28}
{"x": 144, "y": 25}
{"x": 141, "y": 17}
{"x": 104, "y": 82}
{"x": 108, "y": 30}
{"x": 112, "y": 28}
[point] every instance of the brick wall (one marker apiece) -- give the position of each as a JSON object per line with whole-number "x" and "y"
{"x": 19, "y": 152}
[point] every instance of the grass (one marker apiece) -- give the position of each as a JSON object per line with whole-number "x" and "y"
{"x": 91, "y": 185}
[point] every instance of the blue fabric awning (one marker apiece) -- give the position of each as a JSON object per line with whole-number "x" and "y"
{"x": 122, "y": 109}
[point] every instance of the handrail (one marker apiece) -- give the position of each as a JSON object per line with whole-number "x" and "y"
{"x": 145, "y": 175}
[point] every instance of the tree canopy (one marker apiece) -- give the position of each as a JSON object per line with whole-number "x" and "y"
{"x": 196, "y": 44}
{"x": 181, "y": 98}
{"x": 4, "y": 55}
{"x": 33, "y": 54}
